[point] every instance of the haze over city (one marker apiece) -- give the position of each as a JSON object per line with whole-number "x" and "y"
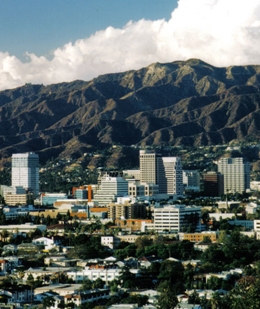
{"x": 50, "y": 42}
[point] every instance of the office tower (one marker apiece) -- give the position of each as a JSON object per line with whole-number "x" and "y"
{"x": 163, "y": 171}
{"x": 176, "y": 218}
{"x": 172, "y": 179}
{"x": 213, "y": 184}
{"x": 25, "y": 171}
{"x": 236, "y": 174}
{"x": 191, "y": 180}
{"x": 110, "y": 188}
{"x": 151, "y": 167}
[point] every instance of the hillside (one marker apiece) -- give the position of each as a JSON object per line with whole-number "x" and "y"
{"x": 183, "y": 102}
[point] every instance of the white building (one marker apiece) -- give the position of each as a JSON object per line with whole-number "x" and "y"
{"x": 22, "y": 228}
{"x": 163, "y": 171}
{"x": 25, "y": 171}
{"x": 236, "y": 174}
{"x": 135, "y": 188}
{"x": 106, "y": 275}
{"x": 110, "y": 189}
{"x": 173, "y": 218}
{"x": 107, "y": 241}
{"x": 173, "y": 183}
{"x": 44, "y": 241}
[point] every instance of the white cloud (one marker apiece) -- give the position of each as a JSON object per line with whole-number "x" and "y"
{"x": 220, "y": 32}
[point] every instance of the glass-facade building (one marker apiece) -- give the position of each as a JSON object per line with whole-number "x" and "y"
{"x": 25, "y": 171}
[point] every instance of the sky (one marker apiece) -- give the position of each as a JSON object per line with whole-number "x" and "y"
{"x": 52, "y": 41}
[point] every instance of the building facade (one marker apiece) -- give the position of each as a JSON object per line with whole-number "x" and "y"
{"x": 25, "y": 171}
{"x": 213, "y": 184}
{"x": 151, "y": 166}
{"x": 110, "y": 188}
{"x": 172, "y": 180}
{"x": 174, "y": 218}
{"x": 166, "y": 172}
{"x": 236, "y": 174}
{"x": 126, "y": 211}
{"x": 191, "y": 180}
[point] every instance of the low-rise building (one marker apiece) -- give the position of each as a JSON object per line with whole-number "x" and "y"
{"x": 174, "y": 218}
{"x": 198, "y": 237}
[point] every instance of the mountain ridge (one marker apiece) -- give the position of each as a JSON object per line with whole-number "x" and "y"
{"x": 183, "y": 102}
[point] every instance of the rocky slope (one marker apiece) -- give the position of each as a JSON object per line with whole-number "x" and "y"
{"x": 183, "y": 102}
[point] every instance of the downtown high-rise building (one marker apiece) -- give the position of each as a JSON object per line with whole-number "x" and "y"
{"x": 25, "y": 171}
{"x": 236, "y": 174}
{"x": 163, "y": 171}
{"x": 151, "y": 167}
{"x": 173, "y": 176}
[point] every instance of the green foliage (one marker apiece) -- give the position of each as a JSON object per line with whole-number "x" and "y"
{"x": 127, "y": 279}
{"x": 173, "y": 273}
{"x": 48, "y": 301}
{"x": 141, "y": 300}
{"x": 167, "y": 298}
{"x": 87, "y": 247}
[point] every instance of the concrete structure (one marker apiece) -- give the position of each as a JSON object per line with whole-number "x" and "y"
{"x": 16, "y": 211}
{"x": 213, "y": 184}
{"x": 257, "y": 225}
{"x": 48, "y": 243}
{"x": 126, "y": 211}
{"x": 81, "y": 194}
{"x": 25, "y": 171}
{"x": 163, "y": 171}
{"x": 255, "y": 185}
{"x": 51, "y": 198}
{"x": 218, "y": 216}
{"x": 132, "y": 225}
{"x": 16, "y": 199}
{"x": 22, "y": 228}
{"x": 151, "y": 166}
{"x": 247, "y": 224}
{"x": 171, "y": 182}
{"x": 110, "y": 189}
{"x": 136, "y": 188}
{"x": 198, "y": 237}
{"x": 106, "y": 275}
{"x": 236, "y": 174}
{"x": 132, "y": 173}
{"x": 69, "y": 203}
{"x": 174, "y": 218}
{"x": 191, "y": 180}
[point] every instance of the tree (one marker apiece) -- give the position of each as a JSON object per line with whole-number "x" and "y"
{"x": 86, "y": 284}
{"x": 31, "y": 282}
{"x": 48, "y": 301}
{"x": 172, "y": 272}
{"x": 98, "y": 284}
{"x": 126, "y": 278}
{"x": 167, "y": 298}
{"x": 142, "y": 242}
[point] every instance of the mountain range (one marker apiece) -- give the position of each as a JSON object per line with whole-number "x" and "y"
{"x": 179, "y": 103}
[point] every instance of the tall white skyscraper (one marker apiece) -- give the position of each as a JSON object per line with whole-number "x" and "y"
{"x": 236, "y": 174}
{"x": 25, "y": 171}
{"x": 173, "y": 175}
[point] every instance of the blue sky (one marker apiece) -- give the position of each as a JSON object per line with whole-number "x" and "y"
{"x": 52, "y": 41}
{"x": 40, "y": 26}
